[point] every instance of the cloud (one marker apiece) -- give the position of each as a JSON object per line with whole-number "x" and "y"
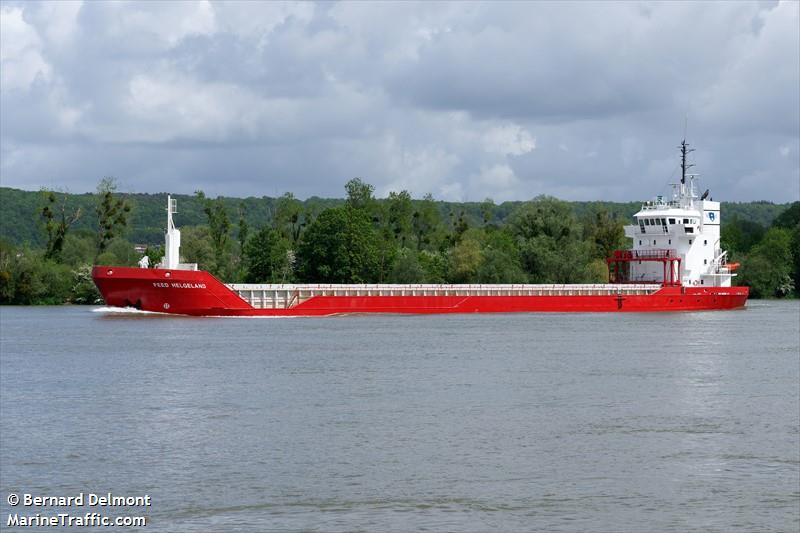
{"x": 509, "y": 139}
{"x": 463, "y": 100}
{"x": 20, "y": 52}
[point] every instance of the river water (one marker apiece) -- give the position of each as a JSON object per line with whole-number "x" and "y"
{"x": 519, "y": 422}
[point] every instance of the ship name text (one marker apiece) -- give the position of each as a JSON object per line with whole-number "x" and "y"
{"x": 178, "y": 285}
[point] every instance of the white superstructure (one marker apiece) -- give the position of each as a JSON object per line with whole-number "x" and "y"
{"x": 686, "y": 225}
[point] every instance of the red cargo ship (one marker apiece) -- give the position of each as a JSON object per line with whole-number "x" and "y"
{"x": 675, "y": 265}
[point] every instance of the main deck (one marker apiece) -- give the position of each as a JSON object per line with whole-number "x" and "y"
{"x": 286, "y": 296}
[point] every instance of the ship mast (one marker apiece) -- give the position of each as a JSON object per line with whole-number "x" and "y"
{"x": 172, "y": 238}
{"x": 684, "y": 167}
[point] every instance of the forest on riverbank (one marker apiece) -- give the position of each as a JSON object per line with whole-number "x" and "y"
{"x": 49, "y": 240}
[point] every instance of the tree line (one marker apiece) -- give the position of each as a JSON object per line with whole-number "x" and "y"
{"x": 364, "y": 239}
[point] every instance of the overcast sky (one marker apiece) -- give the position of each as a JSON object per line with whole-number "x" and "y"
{"x": 465, "y": 100}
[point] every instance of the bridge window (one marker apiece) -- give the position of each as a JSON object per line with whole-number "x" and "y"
{"x": 685, "y": 220}
{"x": 672, "y": 221}
{"x": 647, "y": 222}
{"x": 663, "y": 221}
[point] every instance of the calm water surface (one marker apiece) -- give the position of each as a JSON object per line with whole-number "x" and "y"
{"x": 557, "y": 422}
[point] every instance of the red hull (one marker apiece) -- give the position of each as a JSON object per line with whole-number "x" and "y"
{"x": 198, "y": 293}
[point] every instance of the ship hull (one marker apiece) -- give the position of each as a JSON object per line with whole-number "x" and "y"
{"x": 198, "y": 293}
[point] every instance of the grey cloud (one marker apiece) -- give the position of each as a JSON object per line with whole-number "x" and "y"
{"x": 464, "y": 100}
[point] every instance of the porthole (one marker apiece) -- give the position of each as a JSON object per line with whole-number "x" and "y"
{"x": 167, "y": 274}
{"x": 110, "y": 272}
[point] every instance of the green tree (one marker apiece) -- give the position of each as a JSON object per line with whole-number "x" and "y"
{"x": 340, "y": 246}
{"x": 795, "y": 249}
{"x": 790, "y": 221}
{"x": 460, "y": 226}
{"x": 7, "y": 256}
{"x": 36, "y": 280}
{"x": 359, "y": 194}
{"x": 196, "y": 246}
{"x": 465, "y": 260}
{"x": 244, "y": 229}
{"x": 57, "y": 223}
{"x": 267, "y": 257}
{"x": 767, "y": 268}
{"x": 606, "y": 232}
{"x": 79, "y": 249}
{"x": 289, "y": 218}
{"x": 425, "y": 221}
{"x": 407, "y": 268}
{"x": 789, "y": 218}
{"x": 550, "y": 243}
{"x": 501, "y": 259}
{"x": 219, "y": 229}
{"x": 500, "y": 267}
{"x": 436, "y": 266}
{"x": 738, "y": 235}
{"x": 399, "y": 216}
{"x": 112, "y": 214}
{"x": 118, "y": 252}
{"x": 487, "y": 211}
{"x": 84, "y": 291}
{"x": 154, "y": 254}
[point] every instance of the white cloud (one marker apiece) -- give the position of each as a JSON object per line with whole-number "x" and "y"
{"x": 415, "y": 167}
{"x": 497, "y": 177}
{"x": 509, "y": 139}
{"x": 21, "y": 60}
{"x": 259, "y": 19}
{"x": 168, "y": 21}
{"x": 58, "y": 20}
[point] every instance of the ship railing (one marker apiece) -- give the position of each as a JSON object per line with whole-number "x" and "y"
{"x": 651, "y": 254}
{"x": 654, "y": 206}
{"x": 280, "y": 296}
